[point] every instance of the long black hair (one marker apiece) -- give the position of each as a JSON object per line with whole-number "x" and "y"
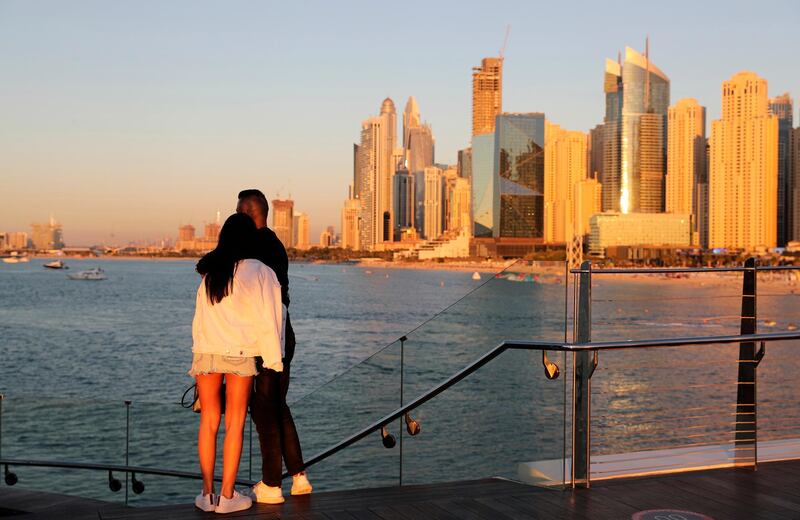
{"x": 236, "y": 242}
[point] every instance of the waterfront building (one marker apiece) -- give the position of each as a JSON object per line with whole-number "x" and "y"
{"x": 211, "y": 231}
{"x": 388, "y": 143}
{"x": 47, "y": 236}
{"x": 301, "y": 231}
{"x": 428, "y": 214}
{"x": 457, "y": 203}
{"x": 403, "y": 193}
{"x": 283, "y": 220}
{"x": 564, "y": 167}
{"x": 186, "y": 233}
{"x": 519, "y": 169}
{"x": 588, "y": 201}
{"x": 795, "y": 171}
{"x": 702, "y": 199}
{"x": 595, "y": 152}
{"x": 420, "y": 151}
{"x": 465, "y": 163}
{"x": 18, "y": 240}
{"x": 638, "y": 229}
{"x": 375, "y": 168}
{"x": 635, "y": 140}
{"x": 411, "y": 119}
{"x": 783, "y": 108}
{"x": 743, "y": 167}
{"x": 485, "y": 195}
{"x": 350, "y": 222}
{"x": 686, "y": 158}
{"x": 326, "y": 238}
{"x": 368, "y": 191}
{"x": 487, "y": 95}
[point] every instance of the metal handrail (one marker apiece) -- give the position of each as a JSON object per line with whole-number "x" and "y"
{"x": 544, "y": 346}
{"x": 667, "y": 270}
{"x": 430, "y": 394}
{"x": 120, "y": 468}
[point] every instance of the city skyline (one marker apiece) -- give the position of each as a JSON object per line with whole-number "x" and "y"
{"x": 180, "y": 123}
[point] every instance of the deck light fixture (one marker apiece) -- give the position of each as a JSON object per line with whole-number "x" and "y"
{"x": 412, "y": 426}
{"x": 387, "y": 438}
{"x": 113, "y": 484}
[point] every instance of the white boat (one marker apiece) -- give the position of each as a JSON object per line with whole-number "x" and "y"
{"x": 89, "y": 274}
{"x": 16, "y": 259}
{"x": 56, "y": 264}
{"x": 476, "y": 275}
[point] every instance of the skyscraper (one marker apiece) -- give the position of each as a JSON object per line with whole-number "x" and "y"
{"x": 637, "y": 99}
{"x": 350, "y": 222}
{"x": 47, "y": 236}
{"x": 283, "y": 220}
{"x": 428, "y": 215}
{"x": 301, "y": 231}
{"x": 782, "y": 108}
{"x": 795, "y": 170}
{"x": 411, "y": 119}
{"x": 420, "y": 151}
{"x": 388, "y": 143}
{"x": 519, "y": 168}
{"x": 686, "y": 157}
{"x": 369, "y": 163}
{"x": 743, "y": 174}
{"x": 564, "y": 167}
{"x": 485, "y": 190}
{"x": 403, "y": 185}
{"x": 487, "y": 95}
{"x": 595, "y": 153}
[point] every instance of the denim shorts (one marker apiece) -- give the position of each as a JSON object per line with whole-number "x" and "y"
{"x": 219, "y": 364}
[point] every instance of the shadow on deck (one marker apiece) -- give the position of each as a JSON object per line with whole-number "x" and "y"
{"x": 771, "y": 492}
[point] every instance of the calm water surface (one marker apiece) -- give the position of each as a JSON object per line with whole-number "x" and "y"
{"x": 73, "y": 352}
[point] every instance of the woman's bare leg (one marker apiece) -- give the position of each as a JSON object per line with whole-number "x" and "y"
{"x": 208, "y": 389}
{"x": 237, "y": 393}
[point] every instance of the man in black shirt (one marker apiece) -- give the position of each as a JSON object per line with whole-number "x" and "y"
{"x": 277, "y": 434}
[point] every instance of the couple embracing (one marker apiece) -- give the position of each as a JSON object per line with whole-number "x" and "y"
{"x": 242, "y": 334}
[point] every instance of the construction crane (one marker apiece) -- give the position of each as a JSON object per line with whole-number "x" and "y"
{"x": 505, "y": 41}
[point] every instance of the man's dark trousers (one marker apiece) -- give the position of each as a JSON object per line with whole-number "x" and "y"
{"x": 277, "y": 434}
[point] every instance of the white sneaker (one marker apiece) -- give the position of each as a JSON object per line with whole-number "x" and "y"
{"x": 267, "y": 494}
{"x": 300, "y": 484}
{"x": 237, "y": 502}
{"x": 205, "y": 502}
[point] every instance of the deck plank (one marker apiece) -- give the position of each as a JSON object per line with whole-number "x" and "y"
{"x": 772, "y": 492}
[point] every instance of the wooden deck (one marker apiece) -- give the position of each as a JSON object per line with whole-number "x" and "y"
{"x": 772, "y": 492}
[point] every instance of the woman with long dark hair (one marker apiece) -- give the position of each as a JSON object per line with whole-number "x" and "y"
{"x": 238, "y": 316}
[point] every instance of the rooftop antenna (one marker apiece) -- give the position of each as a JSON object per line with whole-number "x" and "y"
{"x": 505, "y": 42}
{"x": 647, "y": 75}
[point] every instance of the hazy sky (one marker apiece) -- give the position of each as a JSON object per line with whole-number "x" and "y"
{"x": 125, "y": 119}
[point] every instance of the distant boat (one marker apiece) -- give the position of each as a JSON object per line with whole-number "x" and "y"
{"x": 57, "y": 264}
{"x": 89, "y": 274}
{"x": 16, "y": 259}
{"x": 476, "y": 276}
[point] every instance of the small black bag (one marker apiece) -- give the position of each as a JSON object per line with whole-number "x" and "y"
{"x": 195, "y": 404}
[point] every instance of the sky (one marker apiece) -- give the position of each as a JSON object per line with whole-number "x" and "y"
{"x": 126, "y": 119}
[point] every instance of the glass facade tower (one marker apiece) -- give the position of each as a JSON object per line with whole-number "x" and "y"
{"x": 637, "y": 100}
{"x": 519, "y": 169}
{"x": 484, "y": 185}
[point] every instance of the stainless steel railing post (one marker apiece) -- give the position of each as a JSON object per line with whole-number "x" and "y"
{"x": 745, "y": 439}
{"x": 583, "y": 366}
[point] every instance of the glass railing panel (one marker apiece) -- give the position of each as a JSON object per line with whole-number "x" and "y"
{"x": 666, "y": 409}
{"x": 778, "y": 394}
{"x": 678, "y": 399}
{"x": 340, "y": 408}
{"x": 53, "y": 428}
{"x": 526, "y": 301}
{"x": 505, "y": 420}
